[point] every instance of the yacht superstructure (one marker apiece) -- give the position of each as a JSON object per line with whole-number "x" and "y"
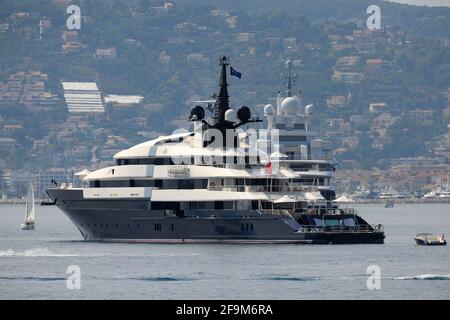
{"x": 390, "y": 194}
{"x": 299, "y": 147}
{"x": 441, "y": 191}
{"x": 209, "y": 186}
{"x": 361, "y": 193}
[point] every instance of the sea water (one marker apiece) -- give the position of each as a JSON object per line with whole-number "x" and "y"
{"x": 35, "y": 264}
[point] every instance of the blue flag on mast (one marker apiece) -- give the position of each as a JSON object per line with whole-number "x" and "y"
{"x": 235, "y": 73}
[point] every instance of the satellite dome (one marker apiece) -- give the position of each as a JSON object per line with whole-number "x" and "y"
{"x": 269, "y": 110}
{"x": 197, "y": 113}
{"x": 244, "y": 113}
{"x": 230, "y": 115}
{"x": 288, "y": 64}
{"x": 309, "y": 109}
{"x": 289, "y": 105}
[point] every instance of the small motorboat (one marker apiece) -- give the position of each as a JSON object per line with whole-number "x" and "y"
{"x": 428, "y": 239}
{"x": 48, "y": 203}
{"x": 389, "y": 204}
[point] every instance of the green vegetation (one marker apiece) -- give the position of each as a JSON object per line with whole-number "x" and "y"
{"x": 415, "y": 73}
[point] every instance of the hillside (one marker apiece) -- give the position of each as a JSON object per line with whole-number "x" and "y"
{"x": 168, "y": 54}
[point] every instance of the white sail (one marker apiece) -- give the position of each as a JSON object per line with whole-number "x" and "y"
{"x": 30, "y": 210}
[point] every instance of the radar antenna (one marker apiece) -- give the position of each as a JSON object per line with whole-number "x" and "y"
{"x": 289, "y": 77}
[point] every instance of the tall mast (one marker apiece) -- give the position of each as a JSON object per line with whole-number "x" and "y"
{"x": 221, "y": 106}
{"x": 222, "y": 100}
{"x": 289, "y": 77}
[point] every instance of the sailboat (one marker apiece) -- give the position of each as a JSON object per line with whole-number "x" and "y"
{"x": 30, "y": 213}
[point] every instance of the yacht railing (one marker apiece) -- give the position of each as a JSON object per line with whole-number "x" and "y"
{"x": 334, "y": 211}
{"x": 364, "y": 228}
{"x": 283, "y": 213}
{"x": 262, "y": 188}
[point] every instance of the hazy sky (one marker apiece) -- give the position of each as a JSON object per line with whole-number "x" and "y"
{"x": 425, "y": 2}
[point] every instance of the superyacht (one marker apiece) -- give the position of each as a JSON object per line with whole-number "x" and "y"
{"x": 212, "y": 185}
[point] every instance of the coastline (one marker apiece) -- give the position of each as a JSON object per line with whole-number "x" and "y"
{"x": 357, "y": 201}
{"x": 20, "y": 201}
{"x": 404, "y": 201}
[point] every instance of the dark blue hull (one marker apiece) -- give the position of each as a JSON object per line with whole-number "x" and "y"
{"x": 131, "y": 221}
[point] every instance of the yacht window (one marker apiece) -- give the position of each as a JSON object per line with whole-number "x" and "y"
{"x": 333, "y": 222}
{"x": 228, "y": 205}
{"x": 307, "y": 181}
{"x": 165, "y": 205}
{"x": 143, "y": 183}
{"x": 156, "y": 161}
{"x": 319, "y": 222}
{"x": 258, "y": 182}
{"x": 350, "y": 222}
{"x": 113, "y": 184}
{"x": 201, "y": 205}
{"x": 200, "y": 183}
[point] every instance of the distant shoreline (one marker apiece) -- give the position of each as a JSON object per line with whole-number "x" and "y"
{"x": 20, "y": 201}
{"x": 406, "y": 201}
{"x": 359, "y": 201}
{"x": 434, "y": 3}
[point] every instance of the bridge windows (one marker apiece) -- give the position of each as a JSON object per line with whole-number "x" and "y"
{"x": 158, "y": 183}
{"x": 210, "y": 205}
{"x": 155, "y": 161}
{"x": 168, "y": 161}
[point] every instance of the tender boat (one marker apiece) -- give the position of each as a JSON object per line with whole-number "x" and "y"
{"x": 428, "y": 239}
{"x": 389, "y": 204}
{"x": 30, "y": 213}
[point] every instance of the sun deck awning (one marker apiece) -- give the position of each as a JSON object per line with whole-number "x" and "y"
{"x": 314, "y": 196}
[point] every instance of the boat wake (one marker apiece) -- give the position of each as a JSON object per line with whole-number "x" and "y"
{"x": 44, "y": 252}
{"x": 34, "y": 278}
{"x": 286, "y": 277}
{"x": 425, "y": 277}
{"x": 161, "y": 278}
{"x": 37, "y": 252}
